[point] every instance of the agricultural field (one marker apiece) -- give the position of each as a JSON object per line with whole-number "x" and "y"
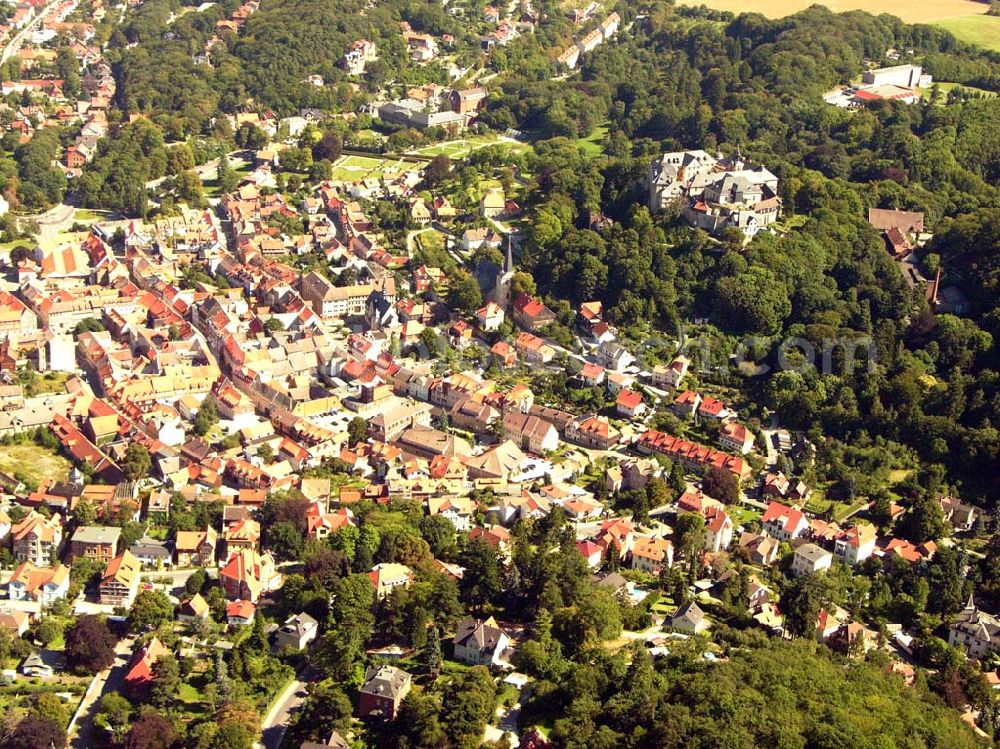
{"x": 958, "y": 16}
{"x": 981, "y": 30}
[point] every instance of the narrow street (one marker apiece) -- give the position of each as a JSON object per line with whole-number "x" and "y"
{"x": 14, "y": 45}
{"x": 82, "y": 733}
{"x": 275, "y": 723}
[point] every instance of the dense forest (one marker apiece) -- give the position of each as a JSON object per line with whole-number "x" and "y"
{"x": 779, "y": 695}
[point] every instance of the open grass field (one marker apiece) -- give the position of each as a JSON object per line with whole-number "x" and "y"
{"x": 946, "y": 87}
{"x": 32, "y": 463}
{"x": 930, "y": 11}
{"x": 593, "y": 144}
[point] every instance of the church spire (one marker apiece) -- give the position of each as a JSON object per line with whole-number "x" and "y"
{"x": 508, "y": 262}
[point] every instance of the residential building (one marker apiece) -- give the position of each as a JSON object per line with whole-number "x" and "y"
{"x": 593, "y": 431}
{"x": 531, "y": 314}
{"x": 36, "y": 539}
{"x": 629, "y": 404}
{"x": 961, "y": 516}
{"x": 480, "y": 643}
{"x": 140, "y": 669}
{"x": 718, "y": 530}
{"x": 388, "y": 576}
{"x": 670, "y": 376}
{"x": 96, "y": 542}
{"x": 152, "y": 553}
{"x": 857, "y": 544}
{"x": 808, "y": 559}
{"x": 241, "y": 534}
{"x": 614, "y": 357}
{"x": 533, "y": 349}
{"x": 686, "y": 404}
{"x": 196, "y": 548}
{"x": 297, "y": 632}
{"x": 14, "y": 620}
{"x": 240, "y": 613}
{"x": 120, "y": 581}
{"x": 694, "y": 457}
{"x": 736, "y": 437}
{"x": 592, "y": 552}
{"x": 530, "y": 433}
{"x": 782, "y": 522}
{"x": 976, "y": 631}
{"x": 193, "y": 609}
{"x": 44, "y": 585}
{"x": 712, "y": 409}
{"x": 761, "y": 548}
{"x": 689, "y": 619}
{"x": 651, "y": 553}
{"x": 383, "y": 691}
{"x": 248, "y": 575}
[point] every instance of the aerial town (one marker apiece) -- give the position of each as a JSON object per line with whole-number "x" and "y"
{"x": 425, "y": 374}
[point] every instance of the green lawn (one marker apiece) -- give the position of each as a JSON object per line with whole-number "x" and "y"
{"x": 354, "y": 168}
{"x": 85, "y": 215}
{"x": 463, "y": 147}
{"x": 948, "y": 86}
{"x": 32, "y": 463}
{"x": 189, "y": 693}
{"x": 593, "y": 144}
{"x": 741, "y": 515}
{"x": 17, "y": 243}
{"x": 663, "y": 607}
{"x": 983, "y": 31}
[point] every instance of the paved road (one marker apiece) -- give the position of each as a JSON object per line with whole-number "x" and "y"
{"x": 53, "y": 221}
{"x": 276, "y": 721}
{"x": 14, "y": 45}
{"x": 83, "y": 734}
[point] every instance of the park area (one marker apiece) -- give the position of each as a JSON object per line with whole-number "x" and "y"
{"x": 966, "y": 19}
{"x": 355, "y": 168}
{"x": 462, "y": 147}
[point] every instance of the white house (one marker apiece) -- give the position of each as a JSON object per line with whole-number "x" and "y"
{"x": 297, "y": 632}
{"x": 782, "y": 522}
{"x": 46, "y": 585}
{"x": 810, "y": 559}
{"x": 481, "y": 643}
{"x": 718, "y": 530}
{"x": 857, "y": 544}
